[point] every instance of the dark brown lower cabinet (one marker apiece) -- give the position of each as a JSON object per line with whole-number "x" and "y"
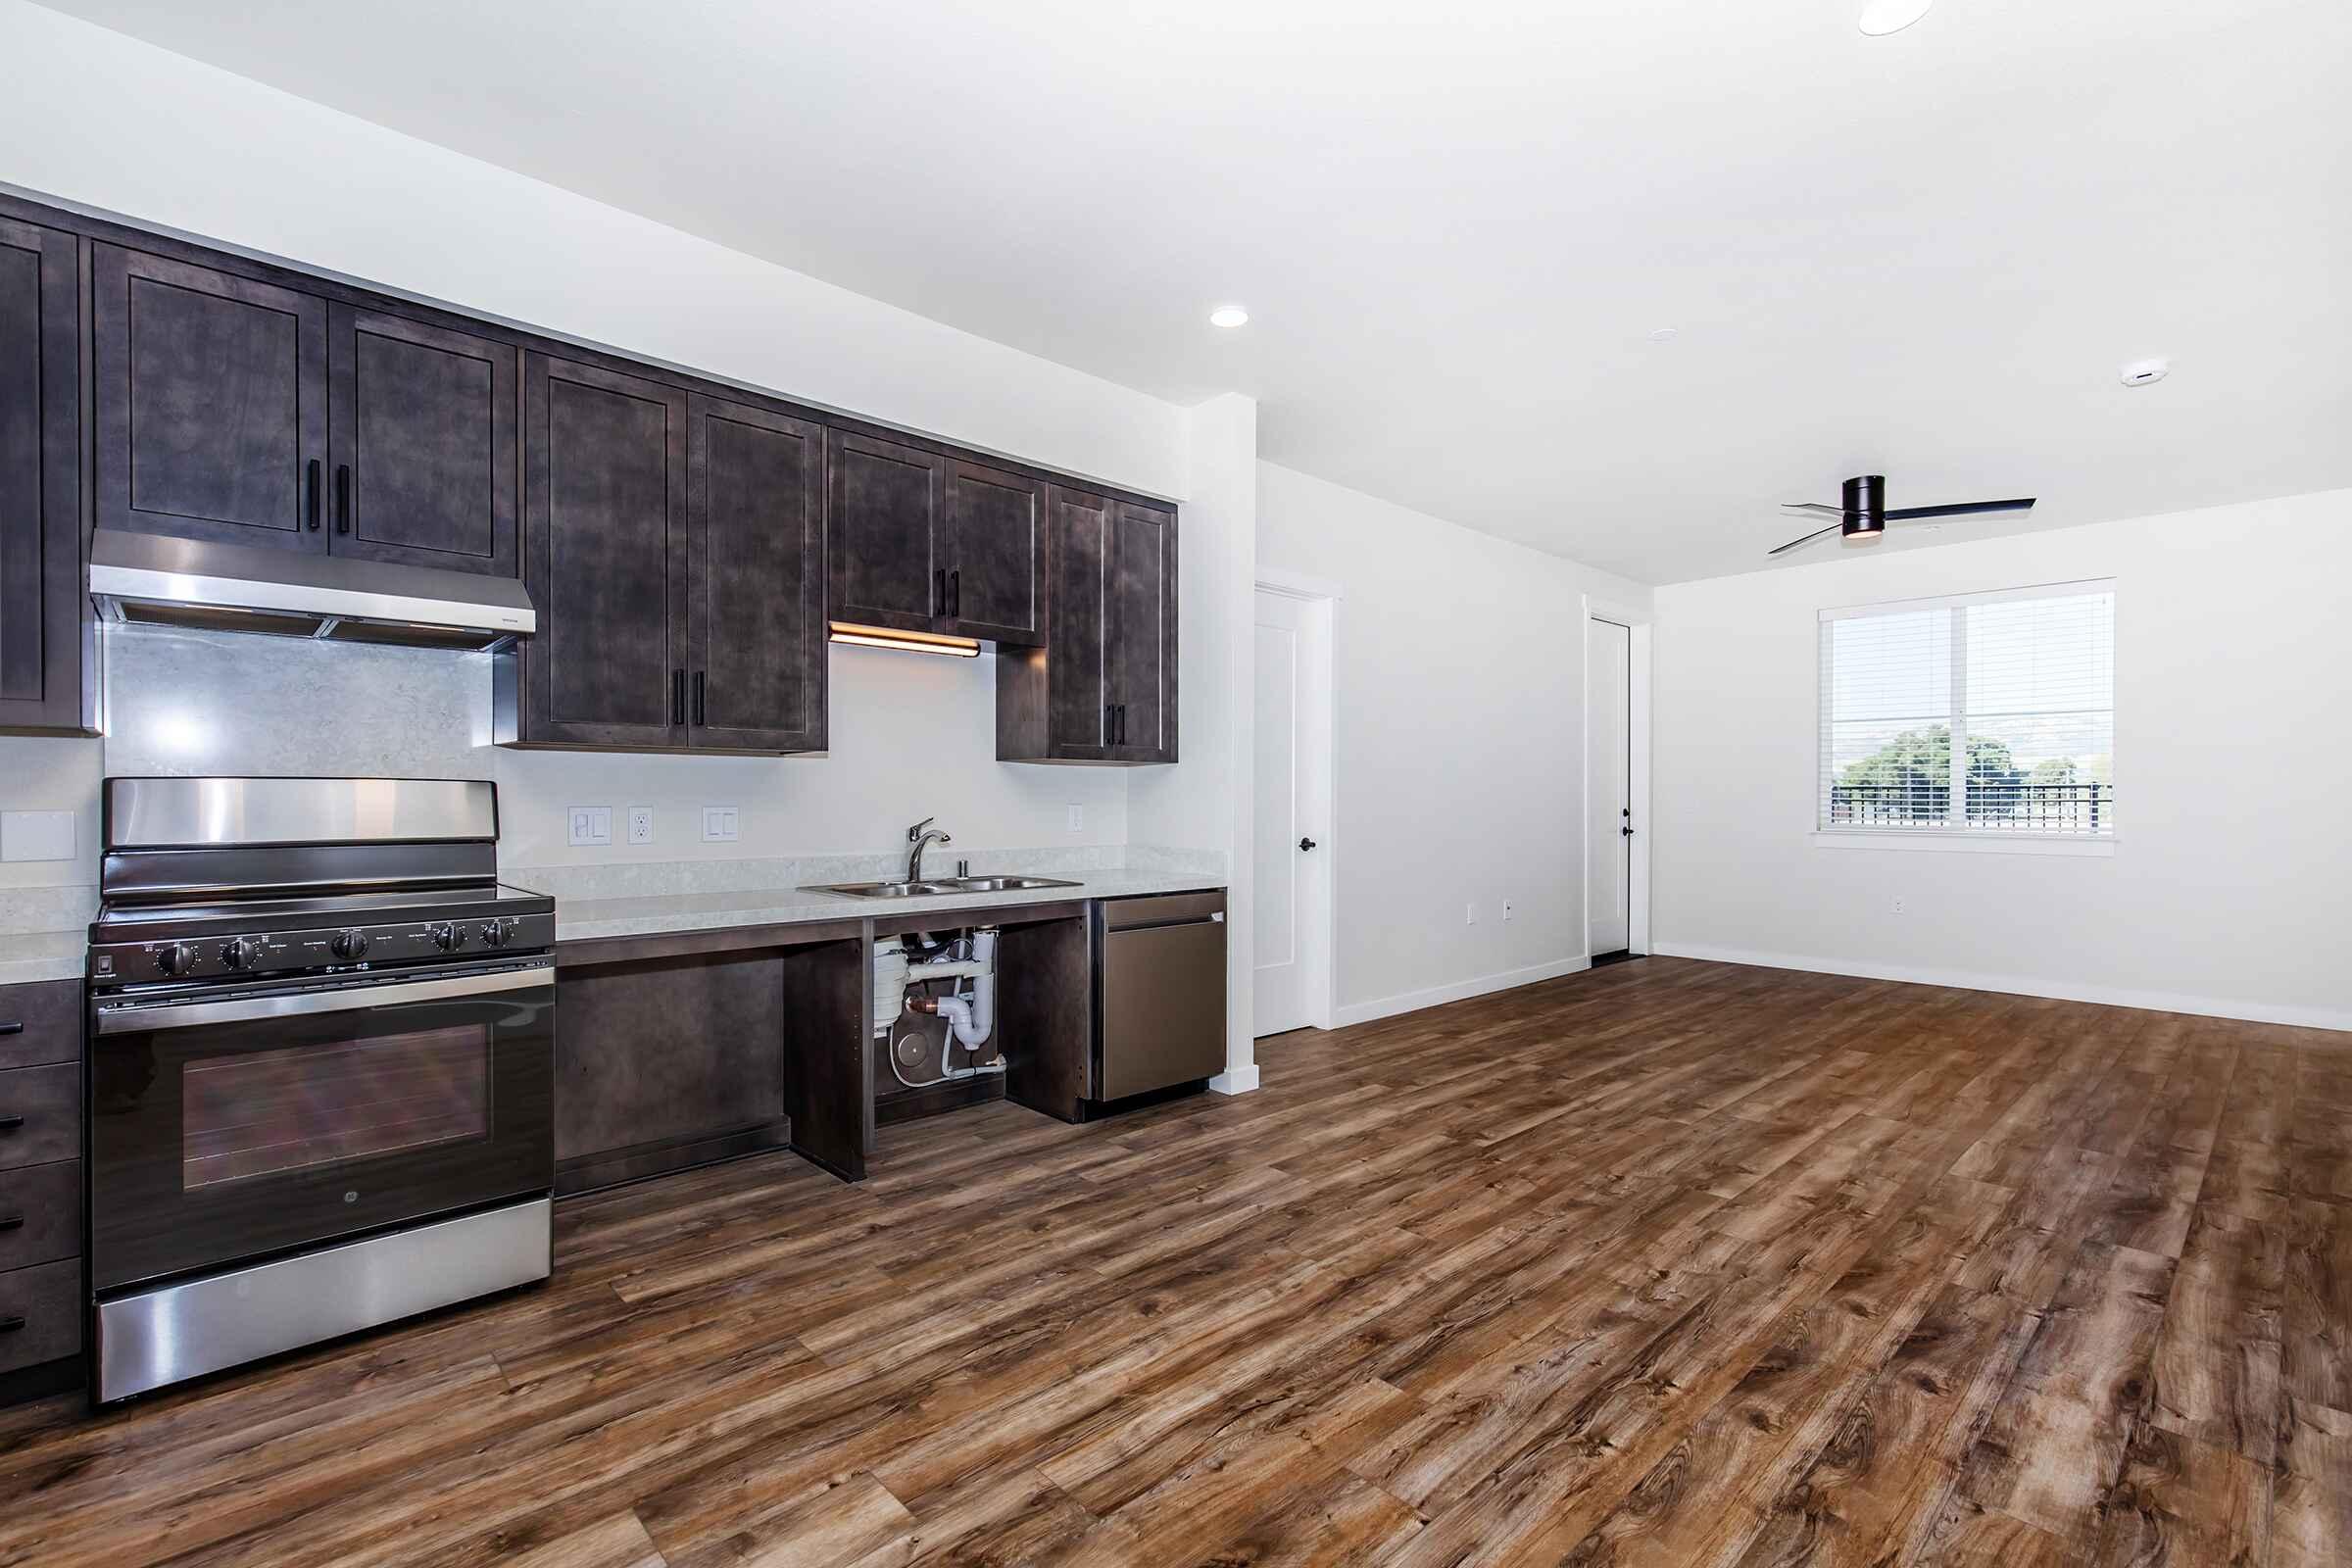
{"x": 48, "y": 656}
{"x": 43, "y": 1297}
{"x": 1103, "y": 689}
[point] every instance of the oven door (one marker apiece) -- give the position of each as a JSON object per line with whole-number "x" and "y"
{"x": 225, "y": 1129}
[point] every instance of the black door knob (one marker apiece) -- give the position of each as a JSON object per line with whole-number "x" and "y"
{"x": 1306, "y": 844}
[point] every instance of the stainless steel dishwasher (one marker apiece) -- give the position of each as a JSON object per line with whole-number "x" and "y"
{"x": 1161, "y": 993}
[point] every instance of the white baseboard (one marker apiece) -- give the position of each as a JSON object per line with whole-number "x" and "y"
{"x": 1235, "y": 1080}
{"x": 1461, "y": 990}
{"x": 2025, "y": 986}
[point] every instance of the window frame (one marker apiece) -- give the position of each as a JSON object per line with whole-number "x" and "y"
{"x": 1946, "y": 838}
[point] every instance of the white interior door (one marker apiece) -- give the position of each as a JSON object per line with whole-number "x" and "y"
{"x": 1288, "y": 777}
{"x": 1609, "y": 783}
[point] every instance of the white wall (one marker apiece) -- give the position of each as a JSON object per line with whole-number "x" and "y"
{"x": 2231, "y": 888}
{"x": 1458, "y": 714}
{"x": 167, "y": 140}
{"x": 1203, "y": 803}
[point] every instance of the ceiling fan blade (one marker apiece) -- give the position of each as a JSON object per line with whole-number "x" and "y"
{"x": 1961, "y": 509}
{"x": 1807, "y": 539}
{"x": 1812, "y": 505}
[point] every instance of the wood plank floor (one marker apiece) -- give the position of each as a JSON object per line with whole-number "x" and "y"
{"x": 1667, "y": 1264}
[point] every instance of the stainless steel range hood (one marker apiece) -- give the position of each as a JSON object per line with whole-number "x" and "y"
{"x": 147, "y": 579}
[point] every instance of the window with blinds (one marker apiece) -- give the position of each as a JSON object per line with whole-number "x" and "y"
{"x": 1984, "y": 715}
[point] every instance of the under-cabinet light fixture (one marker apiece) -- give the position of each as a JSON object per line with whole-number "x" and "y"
{"x": 911, "y": 642}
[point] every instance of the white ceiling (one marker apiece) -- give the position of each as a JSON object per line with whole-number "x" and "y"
{"x": 1456, "y": 226}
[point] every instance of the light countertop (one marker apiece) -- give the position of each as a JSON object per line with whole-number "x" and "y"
{"x": 60, "y": 955}
{"x": 585, "y": 919}
{"x": 44, "y": 955}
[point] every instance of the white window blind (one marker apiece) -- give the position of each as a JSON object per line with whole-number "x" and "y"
{"x": 2018, "y": 683}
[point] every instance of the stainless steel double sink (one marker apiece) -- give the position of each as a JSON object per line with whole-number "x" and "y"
{"x": 938, "y": 886}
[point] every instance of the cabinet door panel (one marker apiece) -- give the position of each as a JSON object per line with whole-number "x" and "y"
{"x": 1143, "y": 616}
{"x": 211, "y": 402}
{"x": 43, "y": 613}
{"x": 995, "y": 555}
{"x": 423, "y": 440}
{"x": 1077, "y": 649}
{"x": 606, "y": 494}
{"x": 884, "y": 524}
{"x": 757, "y": 617}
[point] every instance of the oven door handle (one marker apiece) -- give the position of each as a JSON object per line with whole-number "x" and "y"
{"x": 194, "y": 1015}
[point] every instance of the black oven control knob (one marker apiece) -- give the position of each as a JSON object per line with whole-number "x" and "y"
{"x": 348, "y": 946}
{"x": 241, "y": 953}
{"x": 174, "y": 958}
{"x": 494, "y": 933}
{"x": 449, "y": 938}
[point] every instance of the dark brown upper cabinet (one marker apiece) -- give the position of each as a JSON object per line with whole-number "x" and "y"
{"x": 996, "y": 555}
{"x": 1141, "y": 588}
{"x": 233, "y": 410}
{"x": 676, "y": 555}
{"x": 605, "y": 489}
{"x": 1103, "y": 687}
{"x": 885, "y": 504}
{"x": 756, "y": 571}
{"x": 210, "y": 403}
{"x": 420, "y": 430}
{"x": 926, "y": 542}
{"x": 47, "y": 662}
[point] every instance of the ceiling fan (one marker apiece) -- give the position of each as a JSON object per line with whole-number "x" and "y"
{"x": 1865, "y": 517}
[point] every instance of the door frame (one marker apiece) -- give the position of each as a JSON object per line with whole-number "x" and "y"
{"x": 1640, "y": 626}
{"x": 1321, "y": 599}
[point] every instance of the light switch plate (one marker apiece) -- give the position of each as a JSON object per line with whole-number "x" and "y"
{"x": 641, "y": 824}
{"x": 588, "y": 827}
{"x": 720, "y": 824}
{"x": 36, "y": 836}
{"x": 1077, "y": 817}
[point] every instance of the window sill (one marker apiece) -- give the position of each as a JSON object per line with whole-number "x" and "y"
{"x": 1965, "y": 842}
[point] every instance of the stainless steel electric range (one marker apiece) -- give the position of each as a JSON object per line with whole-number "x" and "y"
{"x": 320, "y": 1067}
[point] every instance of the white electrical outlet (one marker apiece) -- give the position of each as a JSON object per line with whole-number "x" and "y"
{"x": 1470, "y": 914}
{"x": 1507, "y": 912}
{"x": 1902, "y": 906}
{"x": 641, "y": 824}
{"x": 1077, "y": 817}
{"x": 589, "y": 826}
{"x": 720, "y": 824}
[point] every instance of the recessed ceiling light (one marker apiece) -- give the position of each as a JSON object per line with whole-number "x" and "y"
{"x": 2144, "y": 373}
{"x": 1229, "y": 316}
{"x": 1883, "y": 17}
{"x": 1665, "y": 334}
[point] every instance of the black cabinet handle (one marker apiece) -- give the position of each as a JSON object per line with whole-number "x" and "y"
{"x": 678, "y": 698}
{"x": 310, "y": 502}
{"x": 955, "y": 592}
{"x": 938, "y": 592}
{"x": 1121, "y": 738}
{"x": 15, "y": 1028}
{"x": 1306, "y": 844}
{"x": 9, "y": 1325}
{"x": 697, "y": 699}
{"x": 1110, "y": 722}
{"x": 9, "y": 1124}
{"x": 12, "y": 1222}
{"x": 342, "y": 497}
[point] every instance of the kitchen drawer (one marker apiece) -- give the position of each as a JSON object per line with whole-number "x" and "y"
{"x": 40, "y": 1115}
{"x": 48, "y": 1300}
{"x": 40, "y": 1214}
{"x": 40, "y": 1023}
